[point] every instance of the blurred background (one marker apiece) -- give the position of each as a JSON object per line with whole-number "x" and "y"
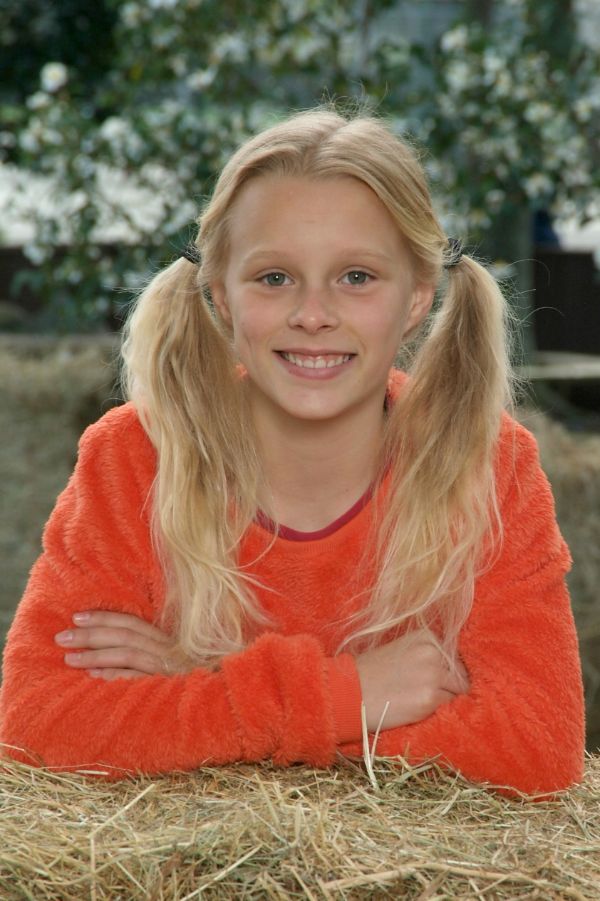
{"x": 116, "y": 116}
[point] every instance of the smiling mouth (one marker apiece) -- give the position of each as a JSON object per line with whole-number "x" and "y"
{"x": 324, "y": 361}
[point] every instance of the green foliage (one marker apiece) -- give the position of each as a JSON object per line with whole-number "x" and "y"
{"x": 34, "y": 32}
{"x": 514, "y": 124}
{"x": 179, "y": 83}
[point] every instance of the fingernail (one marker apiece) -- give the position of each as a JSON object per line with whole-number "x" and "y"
{"x": 64, "y": 637}
{"x": 72, "y": 658}
{"x": 95, "y": 673}
{"x": 81, "y": 618}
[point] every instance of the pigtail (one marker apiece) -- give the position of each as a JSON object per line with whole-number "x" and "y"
{"x": 442, "y": 525}
{"x": 461, "y": 377}
{"x": 179, "y": 372}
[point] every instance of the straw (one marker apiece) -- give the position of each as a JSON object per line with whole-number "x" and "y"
{"x": 257, "y": 831}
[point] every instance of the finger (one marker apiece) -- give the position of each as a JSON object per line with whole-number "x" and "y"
{"x": 101, "y": 637}
{"x": 119, "y": 658}
{"x": 111, "y": 619}
{"x": 108, "y": 674}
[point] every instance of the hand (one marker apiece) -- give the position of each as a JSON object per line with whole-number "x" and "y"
{"x": 412, "y": 675}
{"x": 120, "y": 645}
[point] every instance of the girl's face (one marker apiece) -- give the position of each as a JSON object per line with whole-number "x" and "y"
{"x": 319, "y": 293}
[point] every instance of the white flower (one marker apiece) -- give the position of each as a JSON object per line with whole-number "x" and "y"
{"x": 495, "y": 198}
{"x": 53, "y": 77}
{"x": 492, "y": 63}
{"x": 471, "y": 136}
{"x": 511, "y": 148}
{"x": 538, "y": 112}
{"x": 164, "y": 38}
{"x": 503, "y": 85}
{"x": 122, "y": 137}
{"x": 29, "y": 139}
{"x": 458, "y": 75}
{"x": 308, "y": 47}
{"x": 232, "y": 48}
{"x": 522, "y": 92}
{"x": 114, "y": 129}
{"x": 201, "y": 79}
{"x": 132, "y": 14}
{"x": 583, "y": 109}
{"x": 537, "y": 185}
{"x": 39, "y": 100}
{"x": 471, "y": 109}
{"x": 455, "y": 39}
{"x": 84, "y": 166}
{"x": 35, "y": 253}
{"x": 179, "y": 65}
{"x": 7, "y": 139}
{"x": 295, "y": 10}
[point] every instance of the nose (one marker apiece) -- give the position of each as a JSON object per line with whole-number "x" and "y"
{"x": 313, "y": 310}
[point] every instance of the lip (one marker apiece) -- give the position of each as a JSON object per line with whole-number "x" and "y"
{"x": 311, "y": 352}
{"x": 319, "y": 375}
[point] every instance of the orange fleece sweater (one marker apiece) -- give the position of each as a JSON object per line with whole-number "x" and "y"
{"x": 286, "y": 697}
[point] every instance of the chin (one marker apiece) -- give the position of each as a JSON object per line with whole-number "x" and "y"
{"x": 315, "y": 414}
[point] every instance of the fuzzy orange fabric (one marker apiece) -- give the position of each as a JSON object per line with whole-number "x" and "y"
{"x": 287, "y": 697}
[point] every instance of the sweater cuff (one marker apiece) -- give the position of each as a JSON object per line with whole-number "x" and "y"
{"x": 346, "y": 697}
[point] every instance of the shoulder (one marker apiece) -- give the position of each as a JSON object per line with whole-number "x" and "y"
{"x": 120, "y": 426}
{"x": 122, "y": 419}
{"x": 516, "y": 454}
{"x": 515, "y": 443}
{"x": 525, "y": 499}
{"x": 517, "y": 460}
{"x": 106, "y": 494}
{"x": 116, "y": 444}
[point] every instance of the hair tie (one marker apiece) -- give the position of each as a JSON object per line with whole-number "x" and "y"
{"x": 191, "y": 253}
{"x": 455, "y": 249}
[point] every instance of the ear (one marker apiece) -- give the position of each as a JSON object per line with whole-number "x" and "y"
{"x": 421, "y": 301}
{"x": 219, "y": 299}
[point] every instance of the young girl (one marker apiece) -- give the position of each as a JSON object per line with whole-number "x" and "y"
{"x": 279, "y": 527}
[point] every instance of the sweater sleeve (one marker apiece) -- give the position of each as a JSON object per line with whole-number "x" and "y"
{"x": 272, "y": 700}
{"x": 521, "y": 724}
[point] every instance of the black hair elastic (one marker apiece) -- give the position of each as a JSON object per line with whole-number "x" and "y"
{"x": 191, "y": 253}
{"x": 455, "y": 249}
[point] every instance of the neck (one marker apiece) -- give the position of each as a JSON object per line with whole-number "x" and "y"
{"x": 316, "y": 470}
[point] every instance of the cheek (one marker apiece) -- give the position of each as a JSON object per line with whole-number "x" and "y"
{"x": 250, "y": 328}
{"x": 385, "y": 326}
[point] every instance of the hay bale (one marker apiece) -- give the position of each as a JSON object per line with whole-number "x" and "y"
{"x": 572, "y": 463}
{"x": 259, "y": 832}
{"x": 52, "y": 388}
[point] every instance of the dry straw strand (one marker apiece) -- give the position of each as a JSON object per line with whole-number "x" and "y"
{"x": 265, "y": 832}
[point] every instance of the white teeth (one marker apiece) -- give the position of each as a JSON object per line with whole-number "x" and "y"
{"x": 315, "y": 362}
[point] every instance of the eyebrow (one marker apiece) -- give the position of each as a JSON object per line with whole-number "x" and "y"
{"x": 344, "y": 252}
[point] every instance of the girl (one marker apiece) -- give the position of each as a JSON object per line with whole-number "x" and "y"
{"x": 278, "y": 527}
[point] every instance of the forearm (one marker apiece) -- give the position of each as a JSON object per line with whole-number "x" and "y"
{"x": 270, "y": 701}
{"x": 521, "y": 724}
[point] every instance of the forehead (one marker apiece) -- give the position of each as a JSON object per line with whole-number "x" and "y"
{"x": 340, "y": 209}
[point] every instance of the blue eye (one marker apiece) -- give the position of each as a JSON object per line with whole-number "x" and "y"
{"x": 274, "y": 279}
{"x": 357, "y": 277}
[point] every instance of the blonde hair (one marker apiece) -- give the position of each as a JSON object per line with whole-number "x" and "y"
{"x": 178, "y": 370}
